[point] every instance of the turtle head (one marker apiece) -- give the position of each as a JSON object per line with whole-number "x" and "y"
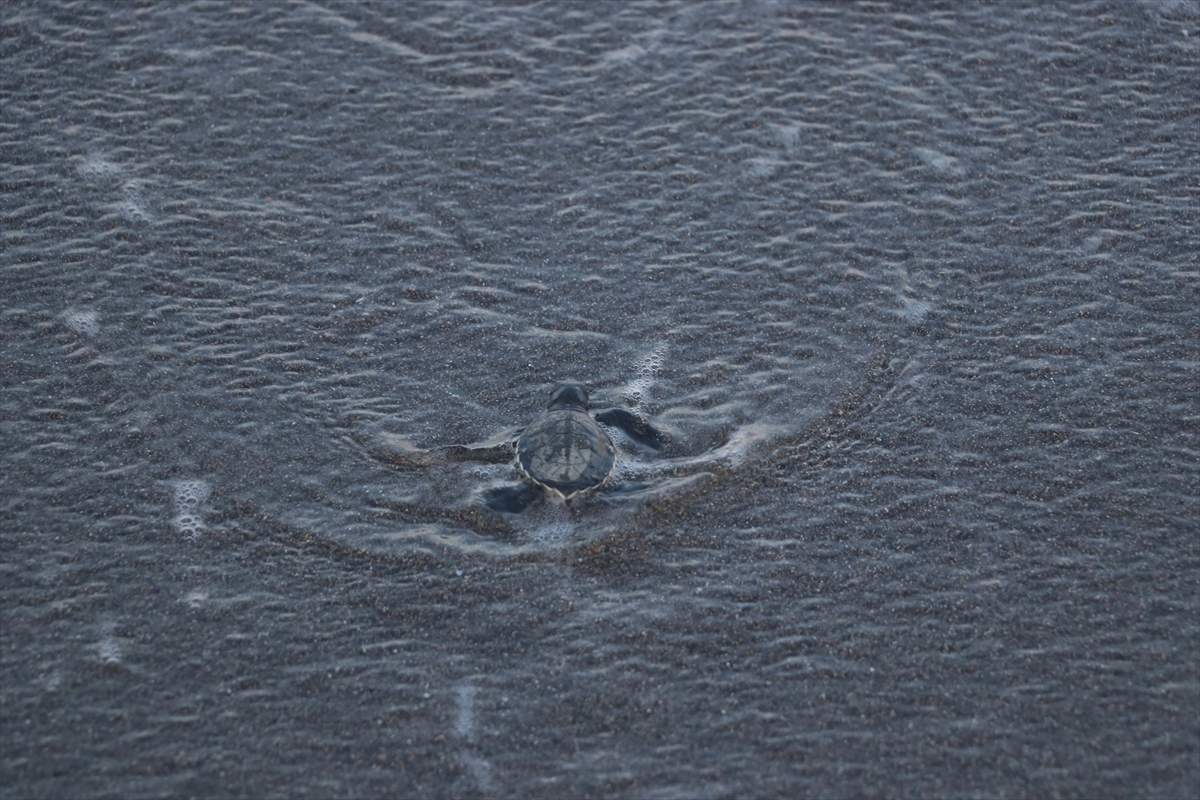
{"x": 567, "y": 394}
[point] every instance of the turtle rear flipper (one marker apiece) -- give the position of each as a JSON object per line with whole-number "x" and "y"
{"x": 636, "y": 427}
{"x": 510, "y": 499}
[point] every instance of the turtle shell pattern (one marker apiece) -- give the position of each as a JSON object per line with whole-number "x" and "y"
{"x": 566, "y": 452}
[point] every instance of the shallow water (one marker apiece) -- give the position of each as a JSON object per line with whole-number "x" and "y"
{"x": 913, "y": 293}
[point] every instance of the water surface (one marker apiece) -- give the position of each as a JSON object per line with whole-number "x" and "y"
{"x": 912, "y": 289}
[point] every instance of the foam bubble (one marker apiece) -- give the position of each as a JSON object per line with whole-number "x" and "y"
{"x": 763, "y": 167}
{"x": 190, "y": 494}
{"x": 190, "y": 525}
{"x": 465, "y": 730}
{"x": 96, "y": 167}
{"x": 190, "y": 497}
{"x": 195, "y": 598}
{"x": 52, "y": 681}
{"x": 789, "y": 136}
{"x": 480, "y": 769}
{"x": 731, "y": 454}
{"x": 109, "y": 649}
{"x": 630, "y": 469}
{"x": 549, "y": 523}
{"x": 132, "y": 207}
{"x": 553, "y": 533}
{"x": 646, "y": 372}
{"x": 626, "y": 55}
{"x": 939, "y": 161}
{"x": 913, "y": 311}
{"x": 633, "y": 53}
{"x": 489, "y": 472}
{"x": 84, "y": 323}
{"x": 1093, "y": 243}
{"x": 464, "y": 725}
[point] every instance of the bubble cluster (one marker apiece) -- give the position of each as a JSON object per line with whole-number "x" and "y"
{"x": 632, "y": 469}
{"x": 95, "y": 167}
{"x": 84, "y": 323}
{"x": 634, "y": 52}
{"x": 195, "y": 598}
{"x": 464, "y": 726}
{"x": 646, "y": 371}
{"x": 190, "y": 497}
{"x": 626, "y": 55}
{"x": 913, "y": 311}
{"x": 789, "y": 136}
{"x": 553, "y": 534}
{"x": 487, "y": 472}
{"x": 480, "y": 770}
{"x": 132, "y": 207}
{"x": 548, "y": 524}
{"x": 731, "y": 453}
{"x": 939, "y": 162}
{"x": 763, "y": 167}
{"x": 109, "y": 649}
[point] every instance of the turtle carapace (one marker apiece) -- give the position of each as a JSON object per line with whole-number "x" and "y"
{"x": 564, "y": 451}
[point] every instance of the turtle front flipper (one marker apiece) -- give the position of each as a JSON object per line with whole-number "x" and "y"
{"x": 496, "y": 450}
{"x": 389, "y": 448}
{"x": 493, "y": 454}
{"x": 510, "y": 499}
{"x": 635, "y": 426}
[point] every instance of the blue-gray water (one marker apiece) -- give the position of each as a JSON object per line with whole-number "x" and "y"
{"x": 912, "y": 287}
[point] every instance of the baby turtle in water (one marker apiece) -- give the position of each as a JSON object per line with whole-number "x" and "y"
{"x": 564, "y": 453}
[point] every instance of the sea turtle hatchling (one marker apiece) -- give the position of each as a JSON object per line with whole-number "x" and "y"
{"x": 564, "y": 453}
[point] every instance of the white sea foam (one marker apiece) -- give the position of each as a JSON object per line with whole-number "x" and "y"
{"x": 646, "y": 372}
{"x": 634, "y": 52}
{"x": 631, "y": 469}
{"x": 190, "y": 499}
{"x": 84, "y": 323}
{"x": 913, "y": 311}
{"x": 190, "y": 494}
{"x": 554, "y": 534}
{"x": 939, "y": 161}
{"x": 109, "y": 649}
{"x": 132, "y": 206}
{"x": 763, "y": 167}
{"x": 96, "y": 167}
{"x": 625, "y": 55}
{"x": 195, "y": 598}
{"x": 789, "y": 136}
{"x": 489, "y": 472}
{"x": 464, "y": 723}
{"x": 480, "y": 769}
{"x": 548, "y": 523}
{"x": 731, "y": 454}
{"x": 190, "y": 525}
